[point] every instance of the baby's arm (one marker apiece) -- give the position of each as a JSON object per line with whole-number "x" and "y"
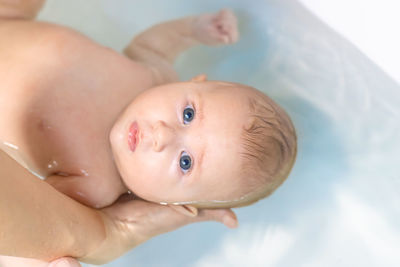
{"x": 17, "y": 9}
{"x": 159, "y": 46}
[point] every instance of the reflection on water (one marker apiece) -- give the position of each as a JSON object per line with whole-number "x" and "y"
{"x": 339, "y": 206}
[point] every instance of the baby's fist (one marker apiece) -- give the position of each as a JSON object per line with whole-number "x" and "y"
{"x": 216, "y": 29}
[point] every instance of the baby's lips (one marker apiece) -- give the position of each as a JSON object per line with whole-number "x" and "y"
{"x": 133, "y": 136}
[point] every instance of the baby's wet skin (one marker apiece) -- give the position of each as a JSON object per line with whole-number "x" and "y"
{"x": 70, "y": 92}
{"x": 79, "y": 88}
{"x": 186, "y": 149}
{"x": 69, "y": 97}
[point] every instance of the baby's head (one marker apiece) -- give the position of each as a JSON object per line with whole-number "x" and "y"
{"x": 203, "y": 144}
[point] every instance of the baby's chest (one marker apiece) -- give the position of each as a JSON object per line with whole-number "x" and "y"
{"x": 64, "y": 139}
{"x": 70, "y": 145}
{"x": 58, "y": 104}
{"x": 62, "y": 127}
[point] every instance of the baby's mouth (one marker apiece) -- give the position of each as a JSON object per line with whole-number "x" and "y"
{"x": 133, "y": 136}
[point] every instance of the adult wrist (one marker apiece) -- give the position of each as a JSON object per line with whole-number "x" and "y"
{"x": 119, "y": 238}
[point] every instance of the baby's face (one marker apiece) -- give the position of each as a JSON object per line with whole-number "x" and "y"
{"x": 186, "y": 144}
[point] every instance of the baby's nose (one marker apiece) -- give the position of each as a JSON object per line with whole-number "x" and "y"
{"x": 163, "y": 135}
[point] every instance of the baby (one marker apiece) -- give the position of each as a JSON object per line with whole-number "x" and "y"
{"x": 96, "y": 124}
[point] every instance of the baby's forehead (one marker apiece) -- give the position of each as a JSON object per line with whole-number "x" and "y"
{"x": 220, "y": 174}
{"x": 226, "y": 93}
{"x": 223, "y": 113}
{"x": 221, "y": 156}
{"x": 228, "y": 87}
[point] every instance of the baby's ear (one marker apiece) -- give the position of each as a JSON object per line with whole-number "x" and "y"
{"x": 199, "y": 78}
{"x": 185, "y": 210}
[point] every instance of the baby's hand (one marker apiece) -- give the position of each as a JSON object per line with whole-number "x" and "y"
{"x": 216, "y": 29}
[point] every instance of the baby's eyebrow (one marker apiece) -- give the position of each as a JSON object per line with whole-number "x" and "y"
{"x": 199, "y": 108}
{"x": 200, "y": 117}
{"x": 199, "y": 163}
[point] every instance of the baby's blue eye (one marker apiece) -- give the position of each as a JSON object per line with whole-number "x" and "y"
{"x": 188, "y": 115}
{"x": 185, "y": 162}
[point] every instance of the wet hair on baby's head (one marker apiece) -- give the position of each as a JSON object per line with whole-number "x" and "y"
{"x": 268, "y": 149}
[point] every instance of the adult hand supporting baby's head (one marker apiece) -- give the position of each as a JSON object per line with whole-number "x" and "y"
{"x": 132, "y": 222}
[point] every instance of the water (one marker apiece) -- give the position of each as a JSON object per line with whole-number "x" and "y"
{"x": 340, "y": 205}
{"x": 14, "y": 152}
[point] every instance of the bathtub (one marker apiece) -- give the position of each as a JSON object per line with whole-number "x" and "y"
{"x": 340, "y": 205}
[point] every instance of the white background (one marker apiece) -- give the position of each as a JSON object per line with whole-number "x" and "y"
{"x": 372, "y": 25}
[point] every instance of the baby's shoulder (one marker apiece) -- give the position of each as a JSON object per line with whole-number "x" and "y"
{"x": 34, "y": 42}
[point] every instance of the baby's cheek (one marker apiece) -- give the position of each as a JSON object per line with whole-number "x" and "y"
{"x": 141, "y": 177}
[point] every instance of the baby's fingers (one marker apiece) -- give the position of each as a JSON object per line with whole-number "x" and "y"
{"x": 228, "y": 25}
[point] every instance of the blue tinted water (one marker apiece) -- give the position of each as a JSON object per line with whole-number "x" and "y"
{"x": 340, "y": 206}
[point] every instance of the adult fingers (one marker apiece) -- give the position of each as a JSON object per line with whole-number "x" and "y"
{"x": 225, "y": 216}
{"x": 151, "y": 219}
{"x": 9, "y": 261}
{"x": 65, "y": 262}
